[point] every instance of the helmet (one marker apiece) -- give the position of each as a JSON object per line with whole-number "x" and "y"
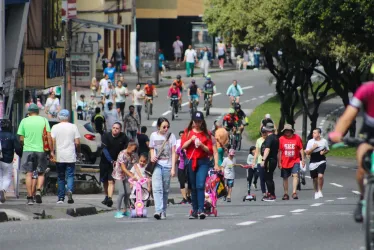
{"x": 179, "y": 77}
{"x": 237, "y": 106}
{"x": 208, "y": 78}
{"x": 149, "y": 82}
{"x": 193, "y": 81}
{"x": 231, "y": 111}
{"x": 5, "y": 125}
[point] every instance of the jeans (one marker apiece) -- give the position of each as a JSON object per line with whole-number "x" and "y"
{"x": 190, "y": 68}
{"x": 6, "y": 171}
{"x": 62, "y": 169}
{"x": 131, "y": 134}
{"x": 124, "y": 195}
{"x": 205, "y": 67}
{"x": 250, "y": 174}
{"x": 119, "y": 66}
{"x": 261, "y": 173}
{"x": 196, "y": 181}
{"x": 270, "y": 166}
{"x": 160, "y": 186}
{"x": 139, "y": 111}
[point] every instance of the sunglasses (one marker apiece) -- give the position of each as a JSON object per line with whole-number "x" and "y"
{"x": 166, "y": 127}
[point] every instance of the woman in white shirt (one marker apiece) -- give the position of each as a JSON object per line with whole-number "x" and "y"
{"x": 52, "y": 106}
{"x": 120, "y": 98}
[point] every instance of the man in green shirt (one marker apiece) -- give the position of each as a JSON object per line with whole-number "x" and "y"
{"x": 34, "y": 158}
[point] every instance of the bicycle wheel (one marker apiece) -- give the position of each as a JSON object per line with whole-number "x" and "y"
{"x": 369, "y": 216}
{"x": 207, "y": 108}
{"x": 148, "y": 111}
{"x": 172, "y": 111}
{"x": 239, "y": 142}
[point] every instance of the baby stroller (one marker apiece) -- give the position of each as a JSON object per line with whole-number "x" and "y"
{"x": 214, "y": 189}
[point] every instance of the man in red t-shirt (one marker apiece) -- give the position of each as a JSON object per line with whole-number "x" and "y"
{"x": 290, "y": 149}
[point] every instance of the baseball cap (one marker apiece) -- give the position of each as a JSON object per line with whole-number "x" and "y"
{"x": 198, "y": 116}
{"x": 33, "y": 108}
{"x": 267, "y": 116}
{"x": 64, "y": 113}
{"x": 232, "y": 152}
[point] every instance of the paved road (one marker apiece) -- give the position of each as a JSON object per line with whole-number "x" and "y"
{"x": 296, "y": 224}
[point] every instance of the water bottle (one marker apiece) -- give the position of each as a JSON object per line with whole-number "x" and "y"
{"x": 364, "y": 209}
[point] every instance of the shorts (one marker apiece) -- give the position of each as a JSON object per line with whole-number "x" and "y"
{"x": 120, "y": 105}
{"x": 194, "y": 97}
{"x": 221, "y": 57}
{"x": 106, "y": 170}
{"x": 230, "y": 183}
{"x": 182, "y": 177}
{"x": 34, "y": 161}
{"x": 319, "y": 170}
{"x": 178, "y": 55}
{"x": 286, "y": 172}
{"x": 149, "y": 96}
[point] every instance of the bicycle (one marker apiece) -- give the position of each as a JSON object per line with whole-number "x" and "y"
{"x": 148, "y": 106}
{"x": 207, "y": 101}
{"x": 236, "y": 139}
{"x": 174, "y": 106}
{"x": 368, "y": 202}
{"x": 194, "y": 107}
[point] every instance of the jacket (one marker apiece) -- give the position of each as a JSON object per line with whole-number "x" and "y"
{"x": 202, "y": 55}
{"x": 9, "y": 145}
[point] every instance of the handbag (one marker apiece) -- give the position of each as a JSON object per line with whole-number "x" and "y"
{"x": 46, "y": 146}
{"x": 151, "y": 165}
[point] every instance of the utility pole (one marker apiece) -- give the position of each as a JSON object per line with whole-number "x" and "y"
{"x": 133, "y": 16}
{"x": 2, "y": 58}
{"x": 305, "y": 116}
{"x": 67, "y": 79}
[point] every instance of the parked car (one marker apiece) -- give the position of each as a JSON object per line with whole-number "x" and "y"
{"x": 90, "y": 141}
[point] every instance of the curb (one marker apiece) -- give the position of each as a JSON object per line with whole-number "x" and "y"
{"x": 311, "y": 105}
{"x": 3, "y": 217}
{"x": 82, "y": 211}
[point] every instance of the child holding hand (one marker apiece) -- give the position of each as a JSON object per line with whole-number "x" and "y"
{"x": 227, "y": 166}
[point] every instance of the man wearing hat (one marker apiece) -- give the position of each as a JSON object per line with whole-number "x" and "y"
{"x": 34, "y": 157}
{"x": 290, "y": 149}
{"x": 269, "y": 153}
{"x": 65, "y": 136}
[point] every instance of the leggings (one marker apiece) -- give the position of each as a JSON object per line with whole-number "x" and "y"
{"x": 261, "y": 173}
{"x": 182, "y": 178}
{"x": 250, "y": 173}
{"x": 270, "y": 166}
{"x": 139, "y": 111}
{"x": 123, "y": 194}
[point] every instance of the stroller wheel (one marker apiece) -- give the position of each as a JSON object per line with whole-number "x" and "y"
{"x": 215, "y": 212}
{"x": 244, "y": 198}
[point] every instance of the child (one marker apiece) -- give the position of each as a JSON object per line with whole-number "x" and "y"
{"x": 251, "y": 171}
{"x": 139, "y": 171}
{"x": 228, "y": 165}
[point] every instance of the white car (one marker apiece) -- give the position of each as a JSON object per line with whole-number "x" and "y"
{"x": 90, "y": 141}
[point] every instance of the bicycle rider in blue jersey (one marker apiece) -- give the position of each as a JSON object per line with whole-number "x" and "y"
{"x": 209, "y": 88}
{"x": 194, "y": 93}
{"x": 234, "y": 92}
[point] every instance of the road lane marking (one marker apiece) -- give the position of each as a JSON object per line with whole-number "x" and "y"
{"x": 356, "y": 192}
{"x": 246, "y": 223}
{"x": 316, "y": 204}
{"x": 178, "y": 240}
{"x": 329, "y": 201}
{"x": 334, "y": 165}
{"x": 298, "y": 211}
{"x": 336, "y": 185}
{"x": 261, "y": 96}
{"x": 270, "y": 94}
{"x": 166, "y": 113}
{"x": 248, "y": 87}
{"x": 342, "y": 198}
{"x": 344, "y": 167}
{"x": 217, "y": 94}
{"x": 275, "y": 216}
{"x": 184, "y": 104}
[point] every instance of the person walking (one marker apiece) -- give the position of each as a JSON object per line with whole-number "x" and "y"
{"x": 290, "y": 150}
{"x": 143, "y": 141}
{"x": 8, "y": 145}
{"x": 269, "y": 152}
{"x": 113, "y": 143}
{"x": 317, "y": 148}
{"x": 111, "y": 72}
{"x": 111, "y": 115}
{"x": 118, "y": 57}
{"x": 222, "y": 137}
{"x": 205, "y": 58}
{"x": 131, "y": 123}
{"x": 190, "y": 59}
{"x": 198, "y": 144}
{"x": 178, "y": 48}
{"x": 93, "y": 86}
{"x": 258, "y": 160}
{"x": 98, "y": 121}
{"x": 32, "y": 131}
{"x": 103, "y": 86}
{"x": 52, "y": 106}
{"x": 221, "y": 54}
{"x": 162, "y": 149}
{"x": 82, "y": 108}
{"x": 120, "y": 98}
{"x": 138, "y": 97}
{"x": 66, "y": 142}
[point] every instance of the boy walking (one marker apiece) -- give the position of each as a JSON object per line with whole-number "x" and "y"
{"x": 228, "y": 165}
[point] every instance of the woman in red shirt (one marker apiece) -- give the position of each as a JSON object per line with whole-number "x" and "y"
{"x": 199, "y": 147}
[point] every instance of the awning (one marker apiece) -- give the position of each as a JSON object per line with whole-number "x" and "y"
{"x": 15, "y": 1}
{"x": 108, "y": 26}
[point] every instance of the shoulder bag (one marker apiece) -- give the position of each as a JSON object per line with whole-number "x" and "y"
{"x": 151, "y": 165}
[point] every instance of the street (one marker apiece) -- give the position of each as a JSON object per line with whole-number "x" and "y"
{"x": 326, "y": 223}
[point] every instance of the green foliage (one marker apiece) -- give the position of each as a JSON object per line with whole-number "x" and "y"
{"x": 347, "y": 152}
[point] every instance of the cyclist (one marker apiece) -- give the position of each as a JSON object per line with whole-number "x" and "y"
{"x": 194, "y": 93}
{"x": 230, "y": 121}
{"x": 180, "y": 85}
{"x": 173, "y": 93}
{"x": 209, "y": 88}
{"x": 243, "y": 119}
{"x": 234, "y": 92}
{"x": 150, "y": 92}
{"x": 363, "y": 98}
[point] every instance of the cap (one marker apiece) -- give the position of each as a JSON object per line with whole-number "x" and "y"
{"x": 33, "y": 108}
{"x": 288, "y": 127}
{"x": 267, "y": 116}
{"x": 269, "y": 127}
{"x": 64, "y": 113}
{"x": 231, "y": 111}
{"x": 232, "y": 152}
{"x": 110, "y": 104}
{"x": 198, "y": 116}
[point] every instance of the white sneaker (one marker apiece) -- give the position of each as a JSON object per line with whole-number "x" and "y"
{"x": 176, "y": 115}
{"x": 249, "y": 197}
{"x": 316, "y": 195}
{"x": 320, "y": 194}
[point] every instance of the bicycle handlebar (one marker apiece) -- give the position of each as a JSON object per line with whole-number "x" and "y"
{"x": 351, "y": 141}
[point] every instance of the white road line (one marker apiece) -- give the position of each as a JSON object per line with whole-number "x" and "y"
{"x": 298, "y": 211}
{"x": 275, "y": 216}
{"x": 178, "y": 240}
{"x": 306, "y": 176}
{"x": 336, "y": 185}
{"x": 254, "y": 99}
{"x": 185, "y": 103}
{"x": 261, "y": 96}
{"x": 342, "y": 198}
{"x": 329, "y": 200}
{"x": 246, "y": 223}
{"x": 154, "y": 124}
{"x": 167, "y": 112}
{"x": 270, "y": 94}
{"x": 334, "y": 165}
{"x": 344, "y": 167}
{"x": 217, "y": 94}
{"x": 316, "y": 204}
{"x": 356, "y": 192}
{"x": 248, "y": 87}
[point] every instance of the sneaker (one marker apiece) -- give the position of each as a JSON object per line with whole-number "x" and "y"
{"x": 255, "y": 186}
{"x": 157, "y": 216}
{"x": 224, "y": 198}
{"x": 184, "y": 201}
{"x": 320, "y": 194}
{"x": 118, "y": 215}
{"x": 202, "y": 216}
{"x": 358, "y": 213}
{"x": 127, "y": 214}
{"x": 104, "y": 202}
{"x": 294, "y": 196}
{"x": 70, "y": 197}
{"x": 228, "y": 199}
{"x": 176, "y": 115}
{"x": 30, "y": 201}
{"x": 193, "y": 215}
{"x": 316, "y": 195}
{"x": 38, "y": 196}
{"x": 269, "y": 198}
{"x": 60, "y": 201}
{"x": 189, "y": 200}
{"x": 163, "y": 216}
{"x": 285, "y": 197}
{"x": 249, "y": 197}
{"x": 109, "y": 203}
{"x": 303, "y": 181}
{"x": 2, "y": 196}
